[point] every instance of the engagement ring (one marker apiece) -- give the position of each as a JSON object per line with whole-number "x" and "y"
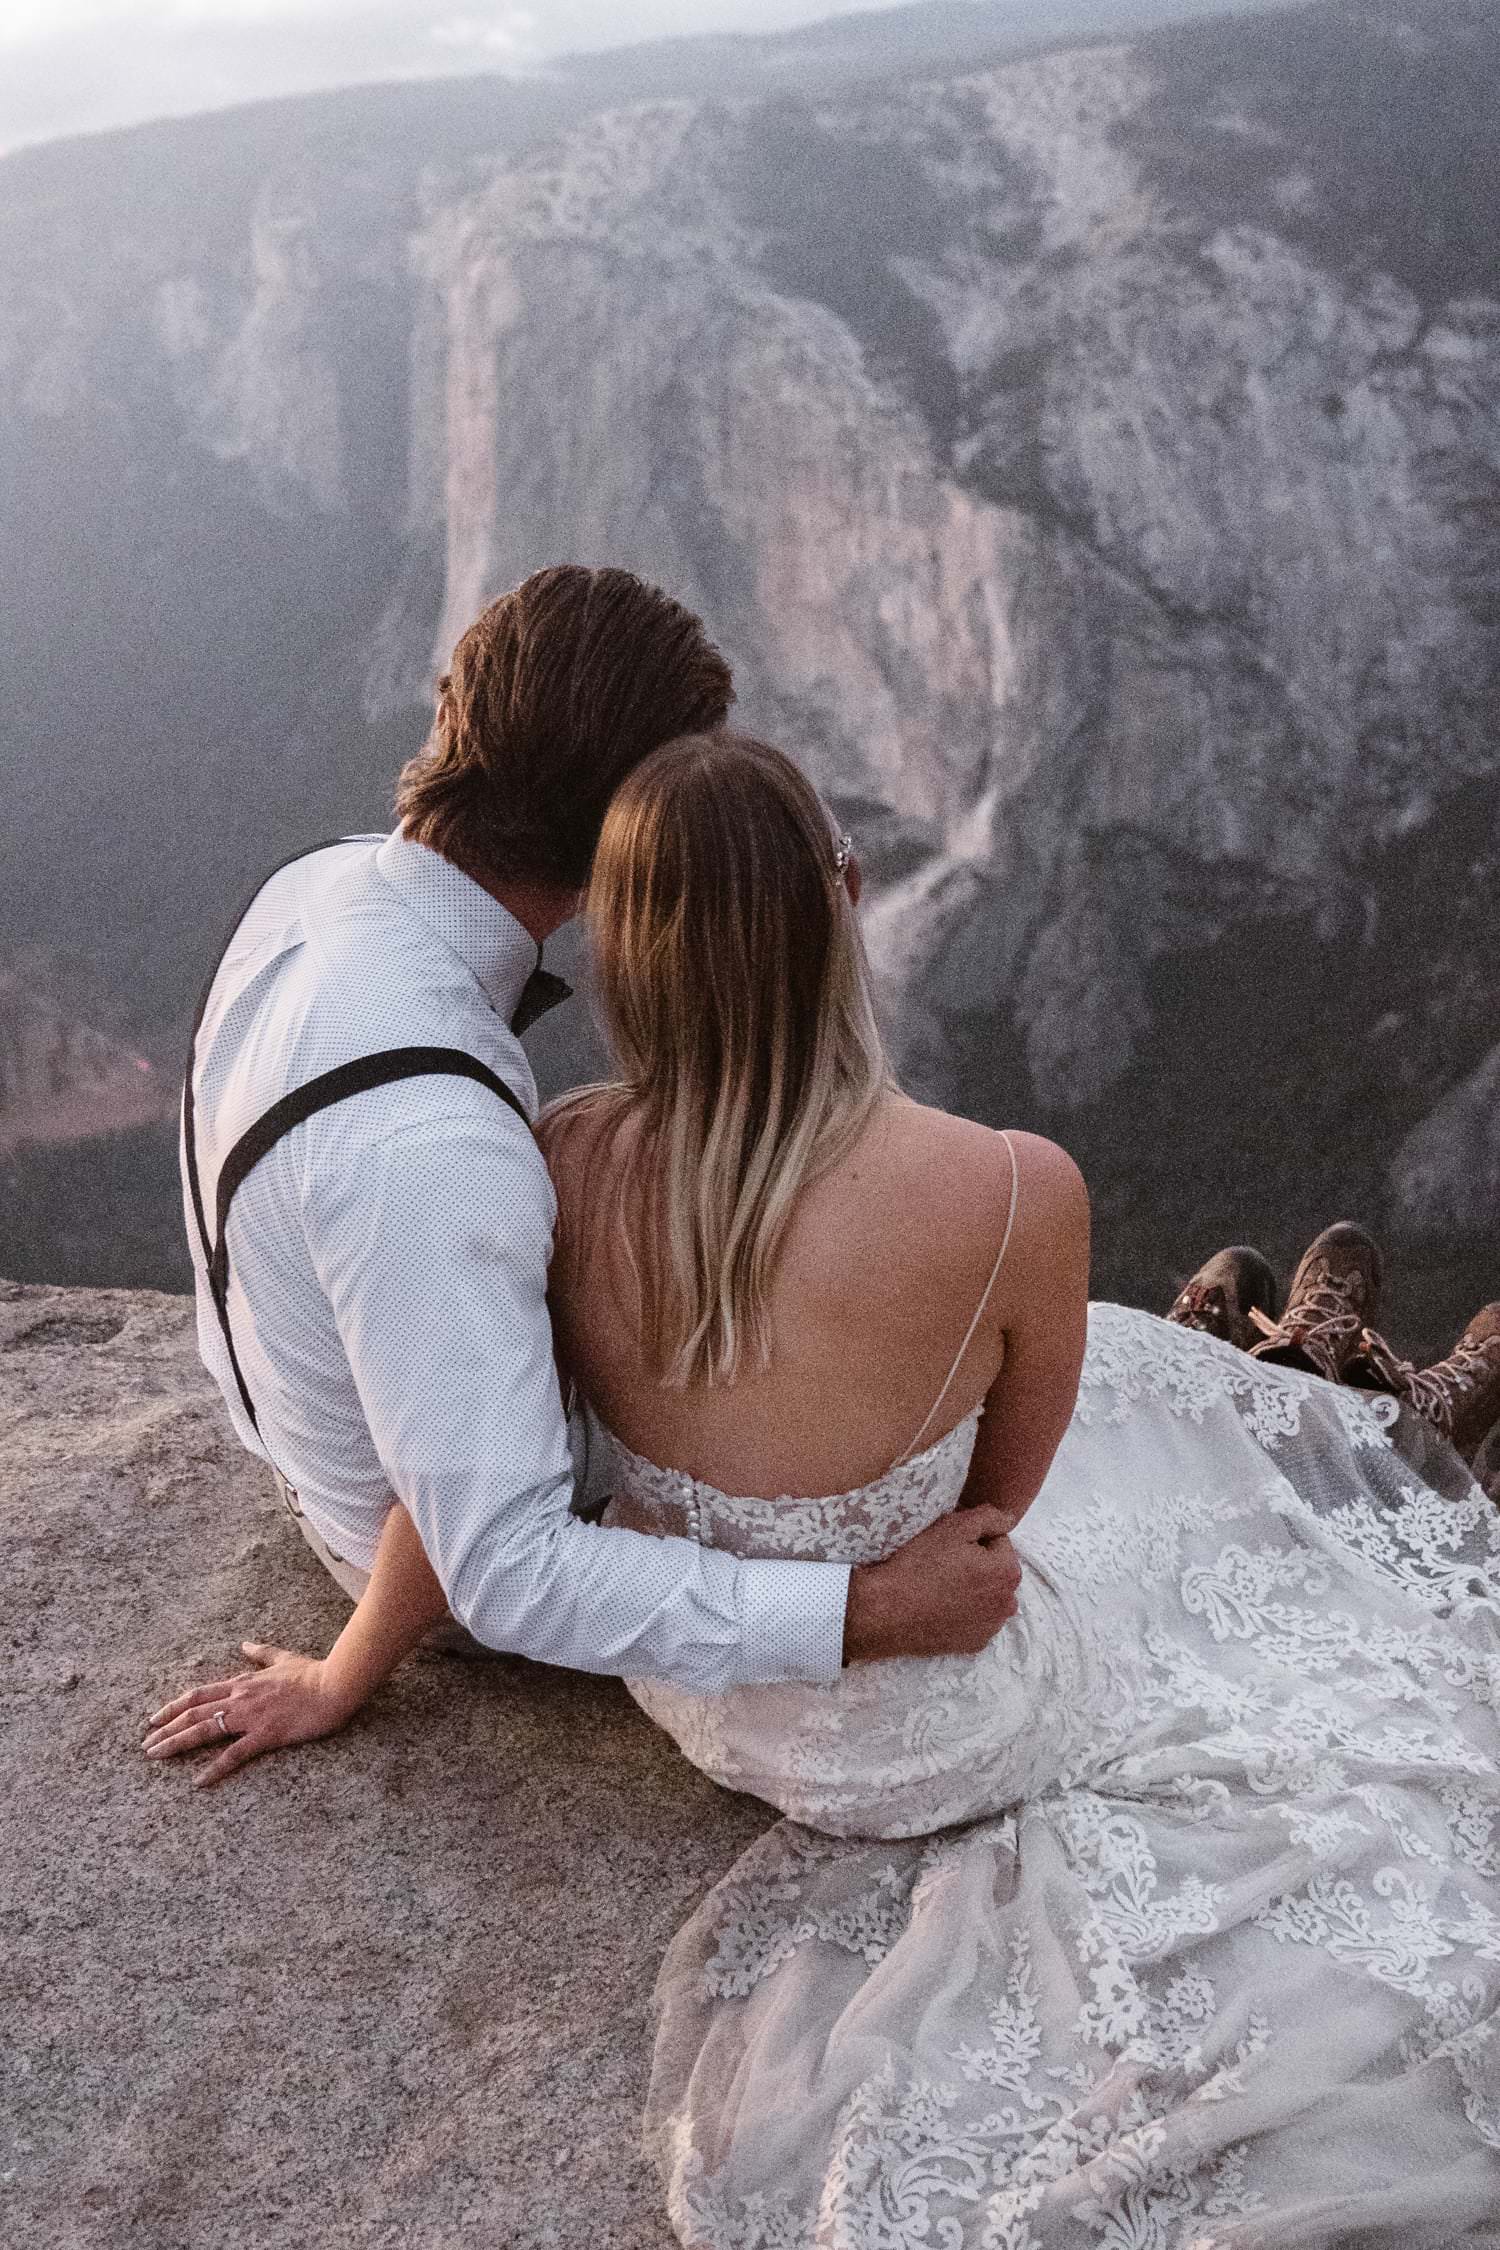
{"x": 221, "y": 1722}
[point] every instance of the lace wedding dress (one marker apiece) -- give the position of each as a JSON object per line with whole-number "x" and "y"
{"x": 1170, "y": 1921}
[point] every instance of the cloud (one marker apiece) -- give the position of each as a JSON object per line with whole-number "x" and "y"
{"x": 56, "y": 22}
{"x": 517, "y": 33}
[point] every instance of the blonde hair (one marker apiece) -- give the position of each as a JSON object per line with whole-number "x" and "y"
{"x": 736, "y": 996}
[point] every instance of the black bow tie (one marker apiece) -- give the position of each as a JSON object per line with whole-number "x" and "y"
{"x": 541, "y": 991}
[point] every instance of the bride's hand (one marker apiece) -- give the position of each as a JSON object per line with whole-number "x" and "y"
{"x": 283, "y": 1699}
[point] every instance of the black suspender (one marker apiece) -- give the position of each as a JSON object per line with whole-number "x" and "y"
{"x": 337, "y": 1085}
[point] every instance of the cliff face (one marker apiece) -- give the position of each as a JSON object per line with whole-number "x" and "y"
{"x": 1090, "y": 463}
{"x": 1130, "y": 569}
{"x": 391, "y": 1988}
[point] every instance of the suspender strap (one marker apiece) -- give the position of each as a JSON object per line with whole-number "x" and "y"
{"x": 358, "y": 1077}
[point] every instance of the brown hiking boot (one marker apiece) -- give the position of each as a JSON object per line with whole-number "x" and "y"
{"x": 1460, "y": 1396}
{"x": 1223, "y": 1294}
{"x": 1332, "y": 1303}
{"x": 1486, "y": 1466}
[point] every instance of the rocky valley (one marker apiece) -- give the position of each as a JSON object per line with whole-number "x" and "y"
{"x": 1089, "y": 457}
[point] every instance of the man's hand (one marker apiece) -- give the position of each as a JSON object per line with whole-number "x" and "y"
{"x": 946, "y": 1593}
{"x": 283, "y": 1699}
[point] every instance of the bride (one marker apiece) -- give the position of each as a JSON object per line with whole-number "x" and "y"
{"x": 1172, "y": 1920}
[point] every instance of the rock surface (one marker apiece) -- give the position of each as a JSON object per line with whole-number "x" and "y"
{"x": 389, "y": 1990}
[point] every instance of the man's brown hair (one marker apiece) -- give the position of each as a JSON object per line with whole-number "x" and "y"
{"x": 556, "y": 692}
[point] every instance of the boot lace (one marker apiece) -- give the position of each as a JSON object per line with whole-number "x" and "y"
{"x": 1436, "y": 1393}
{"x": 1201, "y": 1305}
{"x": 1322, "y": 1316}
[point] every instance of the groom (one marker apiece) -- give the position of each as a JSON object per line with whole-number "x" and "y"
{"x": 371, "y": 1220}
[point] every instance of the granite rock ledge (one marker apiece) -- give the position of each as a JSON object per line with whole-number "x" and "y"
{"x": 392, "y": 1989}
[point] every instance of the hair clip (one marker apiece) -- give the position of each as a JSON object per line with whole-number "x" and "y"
{"x": 843, "y": 853}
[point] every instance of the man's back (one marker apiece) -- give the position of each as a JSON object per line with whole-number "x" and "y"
{"x": 367, "y": 945}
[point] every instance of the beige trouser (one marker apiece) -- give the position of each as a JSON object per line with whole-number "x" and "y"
{"x": 450, "y": 1636}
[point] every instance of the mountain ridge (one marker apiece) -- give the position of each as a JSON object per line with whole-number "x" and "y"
{"x": 921, "y": 37}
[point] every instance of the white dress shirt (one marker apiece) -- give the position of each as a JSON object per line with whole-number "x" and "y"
{"x": 388, "y": 1279}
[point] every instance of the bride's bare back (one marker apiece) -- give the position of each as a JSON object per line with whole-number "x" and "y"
{"x": 884, "y": 1264}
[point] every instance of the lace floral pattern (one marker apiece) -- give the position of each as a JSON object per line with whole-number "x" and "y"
{"x": 852, "y": 1527}
{"x": 1133, "y": 1359}
{"x": 1172, "y": 1921}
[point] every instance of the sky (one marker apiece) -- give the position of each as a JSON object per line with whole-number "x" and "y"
{"x": 74, "y": 66}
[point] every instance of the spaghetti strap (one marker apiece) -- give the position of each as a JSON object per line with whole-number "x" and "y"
{"x": 989, "y": 1290}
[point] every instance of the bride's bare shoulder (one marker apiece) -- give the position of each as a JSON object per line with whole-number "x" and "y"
{"x": 576, "y": 1133}
{"x": 976, "y": 1157}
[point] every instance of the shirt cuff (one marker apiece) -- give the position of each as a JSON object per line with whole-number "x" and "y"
{"x": 791, "y": 1621}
